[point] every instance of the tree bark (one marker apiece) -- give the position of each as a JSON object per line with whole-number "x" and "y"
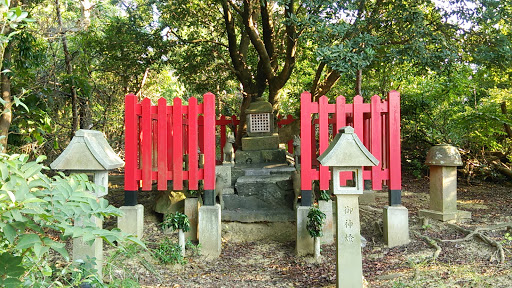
{"x": 505, "y": 125}
{"x": 359, "y": 76}
{"x": 6, "y": 117}
{"x": 69, "y": 71}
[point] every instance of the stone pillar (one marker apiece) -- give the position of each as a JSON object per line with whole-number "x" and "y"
{"x": 132, "y": 220}
{"x": 191, "y": 210}
{"x": 396, "y": 225}
{"x": 348, "y": 242}
{"x": 82, "y": 250}
{"x": 326, "y": 208}
{"x": 209, "y": 230}
{"x": 304, "y": 245}
{"x": 443, "y": 161}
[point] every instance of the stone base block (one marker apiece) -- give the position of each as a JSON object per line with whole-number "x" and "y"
{"x": 328, "y": 228}
{"x": 223, "y": 175}
{"x": 192, "y": 211}
{"x": 396, "y": 225}
{"x": 260, "y": 156}
{"x": 367, "y": 198}
{"x": 132, "y": 221}
{"x": 82, "y": 250}
{"x": 304, "y": 244}
{"x": 445, "y": 216}
{"x": 209, "y": 230}
{"x": 260, "y": 143}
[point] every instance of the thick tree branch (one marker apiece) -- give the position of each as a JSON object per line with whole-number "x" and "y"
{"x": 505, "y": 125}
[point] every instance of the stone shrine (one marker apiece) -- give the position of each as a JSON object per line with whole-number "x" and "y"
{"x": 258, "y": 187}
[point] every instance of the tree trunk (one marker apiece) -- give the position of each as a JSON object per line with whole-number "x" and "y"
{"x": 505, "y": 125}
{"x": 69, "y": 71}
{"x": 359, "y": 76}
{"x": 6, "y": 117}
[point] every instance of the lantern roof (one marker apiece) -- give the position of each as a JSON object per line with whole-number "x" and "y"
{"x": 87, "y": 151}
{"x": 259, "y": 106}
{"x": 443, "y": 155}
{"x": 346, "y": 150}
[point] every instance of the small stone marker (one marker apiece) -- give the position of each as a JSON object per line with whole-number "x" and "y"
{"x": 347, "y": 153}
{"x": 89, "y": 152}
{"x": 443, "y": 161}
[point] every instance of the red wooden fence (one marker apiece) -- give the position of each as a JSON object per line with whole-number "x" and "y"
{"x": 168, "y": 135}
{"x": 377, "y": 124}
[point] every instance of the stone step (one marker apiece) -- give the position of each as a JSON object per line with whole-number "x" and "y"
{"x": 251, "y": 216}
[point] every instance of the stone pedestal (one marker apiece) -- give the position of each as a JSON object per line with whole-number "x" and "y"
{"x": 328, "y": 228}
{"x": 132, "y": 221}
{"x": 260, "y": 143}
{"x": 443, "y": 195}
{"x": 209, "y": 230}
{"x": 83, "y": 250}
{"x": 192, "y": 212}
{"x": 348, "y": 237}
{"x": 305, "y": 243}
{"x": 396, "y": 225}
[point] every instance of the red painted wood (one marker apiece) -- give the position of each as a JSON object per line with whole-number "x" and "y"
{"x": 130, "y": 143}
{"x": 209, "y": 139}
{"x": 193, "y": 156}
{"x": 162, "y": 144}
{"x": 323, "y": 122}
{"x": 395, "y": 169}
{"x": 147, "y": 148}
{"x": 201, "y": 132}
{"x": 340, "y": 115}
{"x": 222, "y": 137}
{"x": 358, "y": 117}
{"x": 376, "y": 141}
{"x": 305, "y": 134}
{"x": 177, "y": 157}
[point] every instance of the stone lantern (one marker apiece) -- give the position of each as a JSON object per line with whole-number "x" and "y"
{"x": 443, "y": 161}
{"x": 89, "y": 152}
{"x": 260, "y": 127}
{"x": 346, "y": 153}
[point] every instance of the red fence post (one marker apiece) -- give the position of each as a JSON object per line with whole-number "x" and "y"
{"x": 147, "y": 147}
{"x": 131, "y": 142}
{"x": 209, "y": 153}
{"x": 376, "y": 141}
{"x": 193, "y": 155}
{"x": 305, "y": 149}
{"x": 323, "y": 138}
{"x": 395, "y": 169}
{"x": 162, "y": 144}
{"x": 177, "y": 157}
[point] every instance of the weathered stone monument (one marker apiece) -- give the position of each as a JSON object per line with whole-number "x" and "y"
{"x": 89, "y": 152}
{"x": 346, "y": 153}
{"x": 259, "y": 188}
{"x": 443, "y": 161}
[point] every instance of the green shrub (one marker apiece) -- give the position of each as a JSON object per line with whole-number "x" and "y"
{"x": 37, "y": 216}
{"x": 176, "y": 221}
{"x": 168, "y": 252}
{"x": 316, "y": 220}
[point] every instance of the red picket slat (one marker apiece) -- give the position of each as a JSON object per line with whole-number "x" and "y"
{"x": 177, "y": 157}
{"x": 323, "y": 138}
{"x": 162, "y": 144}
{"x": 305, "y": 134}
{"x": 200, "y": 120}
{"x": 222, "y": 137}
{"x": 147, "y": 165}
{"x": 130, "y": 143}
{"x": 375, "y": 142}
{"x": 209, "y": 138}
{"x": 395, "y": 169}
{"x": 192, "y": 144}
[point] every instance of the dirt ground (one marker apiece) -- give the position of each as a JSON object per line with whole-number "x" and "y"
{"x": 263, "y": 255}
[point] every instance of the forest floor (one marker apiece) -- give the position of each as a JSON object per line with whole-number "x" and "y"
{"x": 484, "y": 259}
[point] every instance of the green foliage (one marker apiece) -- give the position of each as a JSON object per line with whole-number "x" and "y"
{"x": 325, "y": 195}
{"x": 169, "y": 252}
{"x": 37, "y": 215}
{"x": 316, "y": 220}
{"x": 196, "y": 249}
{"x": 176, "y": 221}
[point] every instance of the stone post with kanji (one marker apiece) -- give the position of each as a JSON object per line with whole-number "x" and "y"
{"x": 347, "y": 154}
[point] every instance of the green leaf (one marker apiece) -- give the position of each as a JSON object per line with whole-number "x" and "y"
{"x": 10, "y": 233}
{"x": 27, "y": 241}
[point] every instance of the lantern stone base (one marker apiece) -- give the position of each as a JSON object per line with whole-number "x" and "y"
{"x": 456, "y": 215}
{"x": 132, "y": 221}
{"x": 260, "y": 143}
{"x": 304, "y": 245}
{"x": 396, "y": 226}
{"x": 82, "y": 250}
{"x": 209, "y": 230}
